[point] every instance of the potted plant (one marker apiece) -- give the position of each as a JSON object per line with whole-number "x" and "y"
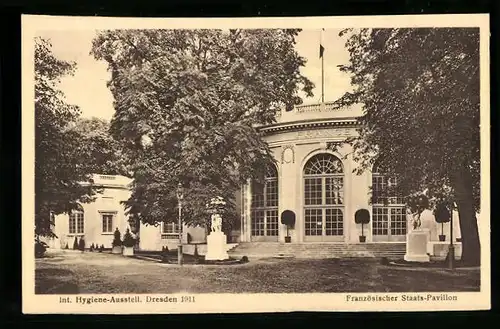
{"x": 128, "y": 243}
{"x": 288, "y": 219}
{"x": 362, "y": 216}
{"x": 442, "y": 215}
{"x": 117, "y": 242}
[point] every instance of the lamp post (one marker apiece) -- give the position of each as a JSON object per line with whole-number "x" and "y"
{"x": 451, "y": 248}
{"x": 180, "y": 196}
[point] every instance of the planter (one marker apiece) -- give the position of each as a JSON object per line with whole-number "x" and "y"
{"x": 288, "y": 239}
{"x": 459, "y": 239}
{"x": 128, "y": 251}
{"x": 442, "y": 237}
{"x": 116, "y": 250}
{"x": 362, "y": 238}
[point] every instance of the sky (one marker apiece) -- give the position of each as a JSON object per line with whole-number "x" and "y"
{"x": 87, "y": 87}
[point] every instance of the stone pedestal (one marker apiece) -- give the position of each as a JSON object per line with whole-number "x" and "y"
{"x": 416, "y": 246}
{"x": 216, "y": 246}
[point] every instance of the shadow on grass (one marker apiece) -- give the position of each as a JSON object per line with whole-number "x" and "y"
{"x": 55, "y": 281}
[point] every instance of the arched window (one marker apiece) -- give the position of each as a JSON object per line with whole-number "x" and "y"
{"x": 264, "y": 207}
{"x": 324, "y": 198}
{"x": 389, "y": 213}
{"x": 76, "y": 221}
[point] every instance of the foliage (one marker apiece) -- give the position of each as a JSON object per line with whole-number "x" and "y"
{"x": 187, "y": 104}
{"x": 362, "y": 216}
{"x": 100, "y": 152}
{"x": 128, "y": 239}
{"x": 419, "y": 88}
{"x": 40, "y": 248}
{"x": 117, "y": 241}
{"x": 288, "y": 218}
{"x": 58, "y": 167}
{"x": 81, "y": 244}
{"x": 75, "y": 244}
{"x": 442, "y": 213}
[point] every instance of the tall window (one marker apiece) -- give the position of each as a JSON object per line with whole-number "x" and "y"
{"x": 76, "y": 221}
{"x": 389, "y": 213}
{"x": 170, "y": 230}
{"x": 264, "y": 207}
{"x": 107, "y": 222}
{"x": 324, "y": 197}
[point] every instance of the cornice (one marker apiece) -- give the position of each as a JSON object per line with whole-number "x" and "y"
{"x": 308, "y": 124}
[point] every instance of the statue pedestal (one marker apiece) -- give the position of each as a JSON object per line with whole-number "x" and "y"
{"x": 216, "y": 246}
{"x": 416, "y": 246}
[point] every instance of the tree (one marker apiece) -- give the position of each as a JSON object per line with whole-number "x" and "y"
{"x": 58, "y": 169}
{"x": 419, "y": 89}
{"x": 99, "y": 151}
{"x": 187, "y": 105}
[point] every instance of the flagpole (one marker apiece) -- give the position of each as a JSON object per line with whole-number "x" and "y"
{"x": 322, "y": 69}
{"x": 322, "y": 80}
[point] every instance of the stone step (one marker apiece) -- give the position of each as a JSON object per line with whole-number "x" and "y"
{"x": 319, "y": 250}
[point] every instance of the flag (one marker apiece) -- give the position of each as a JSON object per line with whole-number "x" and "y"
{"x": 321, "y": 48}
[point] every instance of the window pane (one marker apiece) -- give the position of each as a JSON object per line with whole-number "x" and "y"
{"x": 398, "y": 221}
{"x": 322, "y": 164}
{"x": 313, "y": 222}
{"x": 380, "y": 221}
{"x": 272, "y": 193}
{"x": 257, "y": 220}
{"x": 334, "y": 187}
{"x": 257, "y": 195}
{"x": 272, "y": 223}
{"x": 72, "y": 223}
{"x": 80, "y": 223}
{"x": 313, "y": 191}
{"x": 334, "y": 222}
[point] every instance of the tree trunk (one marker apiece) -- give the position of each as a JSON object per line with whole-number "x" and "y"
{"x": 471, "y": 249}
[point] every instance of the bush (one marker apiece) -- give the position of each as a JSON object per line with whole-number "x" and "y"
{"x": 67, "y": 247}
{"x": 101, "y": 248}
{"x": 40, "y": 249}
{"x": 128, "y": 239}
{"x": 362, "y": 216}
{"x": 244, "y": 259}
{"x": 92, "y": 247}
{"x": 75, "y": 244}
{"x": 117, "y": 241}
{"x": 81, "y": 244}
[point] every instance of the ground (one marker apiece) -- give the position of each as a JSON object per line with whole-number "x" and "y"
{"x": 70, "y": 272}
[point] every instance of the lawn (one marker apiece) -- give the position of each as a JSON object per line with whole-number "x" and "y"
{"x": 72, "y": 273}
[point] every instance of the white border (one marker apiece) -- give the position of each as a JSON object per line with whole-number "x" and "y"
{"x": 230, "y": 303}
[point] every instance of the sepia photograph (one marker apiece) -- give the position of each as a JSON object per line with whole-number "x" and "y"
{"x": 337, "y": 165}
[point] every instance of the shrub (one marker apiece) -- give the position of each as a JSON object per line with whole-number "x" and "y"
{"x": 67, "y": 247}
{"x": 288, "y": 219}
{"x": 91, "y": 247}
{"x": 101, "y": 248}
{"x": 81, "y": 244}
{"x": 75, "y": 244}
{"x": 164, "y": 254}
{"x": 244, "y": 259}
{"x": 40, "y": 249}
{"x": 362, "y": 216}
{"x": 117, "y": 241}
{"x": 442, "y": 215}
{"x": 128, "y": 239}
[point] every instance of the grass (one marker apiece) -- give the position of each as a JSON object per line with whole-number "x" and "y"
{"x": 72, "y": 273}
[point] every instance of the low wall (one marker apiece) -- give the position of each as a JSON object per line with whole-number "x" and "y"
{"x": 439, "y": 250}
{"x": 202, "y": 248}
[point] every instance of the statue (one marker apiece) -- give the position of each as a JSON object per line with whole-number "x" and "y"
{"x": 216, "y": 240}
{"x": 216, "y": 223}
